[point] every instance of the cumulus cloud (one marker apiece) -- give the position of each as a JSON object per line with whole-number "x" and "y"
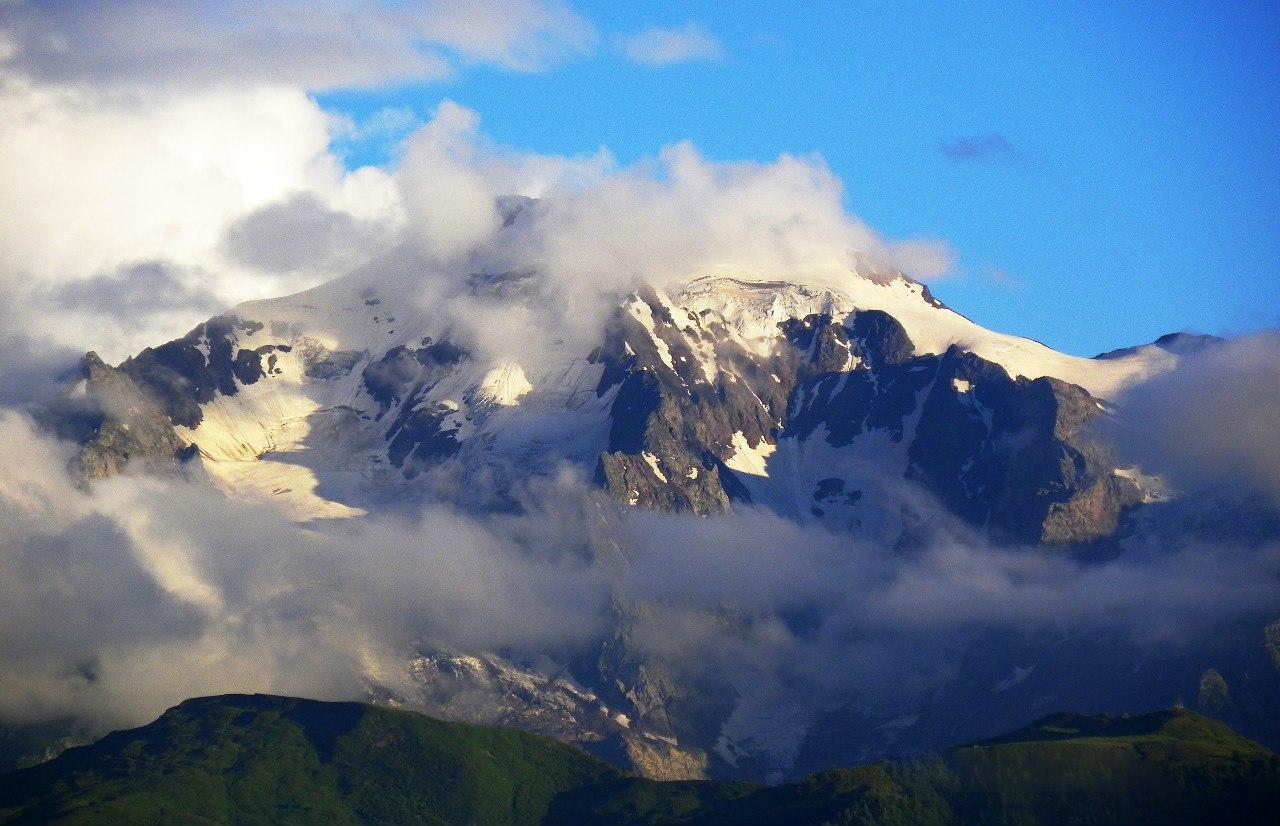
{"x": 140, "y": 139}
{"x": 312, "y": 45}
{"x": 100, "y": 193}
{"x": 378, "y": 135}
{"x": 583, "y": 232}
{"x": 993, "y": 146}
{"x": 658, "y": 47}
{"x": 1213, "y": 419}
{"x": 303, "y": 235}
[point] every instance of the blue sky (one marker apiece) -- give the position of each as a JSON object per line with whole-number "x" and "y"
{"x": 1124, "y": 169}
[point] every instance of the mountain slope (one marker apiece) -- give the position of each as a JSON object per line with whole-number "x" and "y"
{"x": 259, "y": 759}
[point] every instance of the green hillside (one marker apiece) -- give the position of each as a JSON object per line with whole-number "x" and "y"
{"x": 260, "y": 759}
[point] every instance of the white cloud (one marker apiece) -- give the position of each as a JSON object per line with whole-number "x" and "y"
{"x": 122, "y": 600}
{"x": 666, "y": 47}
{"x": 313, "y": 45}
{"x": 597, "y": 230}
{"x": 93, "y": 184}
{"x": 523, "y": 35}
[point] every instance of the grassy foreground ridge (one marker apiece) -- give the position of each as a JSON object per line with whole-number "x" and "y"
{"x": 263, "y": 759}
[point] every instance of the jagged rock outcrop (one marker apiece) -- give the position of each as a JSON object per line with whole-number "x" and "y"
{"x": 188, "y": 372}
{"x": 1011, "y": 456}
{"x": 488, "y": 690}
{"x": 115, "y": 421}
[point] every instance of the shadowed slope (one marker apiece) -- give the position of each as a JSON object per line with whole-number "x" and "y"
{"x": 261, "y": 759}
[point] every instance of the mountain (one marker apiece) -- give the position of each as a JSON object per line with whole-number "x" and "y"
{"x": 855, "y": 403}
{"x": 816, "y": 402}
{"x": 1177, "y": 343}
{"x": 263, "y": 759}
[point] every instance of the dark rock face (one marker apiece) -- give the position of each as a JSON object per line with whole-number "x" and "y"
{"x": 831, "y": 492}
{"x": 400, "y": 380}
{"x": 128, "y": 413}
{"x": 423, "y": 435}
{"x": 1177, "y": 343}
{"x": 1010, "y": 456}
{"x": 323, "y": 364}
{"x": 115, "y": 422}
{"x": 188, "y": 372}
{"x": 403, "y": 374}
{"x": 667, "y": 409}
{"x": 678, "y": 706}
{"x": 875, "y": 388}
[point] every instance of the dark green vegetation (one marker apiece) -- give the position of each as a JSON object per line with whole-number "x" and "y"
{"x": 260, "y": 759}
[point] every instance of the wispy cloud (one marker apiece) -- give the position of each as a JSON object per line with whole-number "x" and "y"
{"x": 998, "y": 277}
{"x": 978, "y": 147}
{"x": 924, "y": 259}
{"x": 659, "y": 47}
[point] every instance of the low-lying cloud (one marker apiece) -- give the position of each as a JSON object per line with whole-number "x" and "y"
{"x": 124, "y": 599}
{"x": 136, "y": 593}
{"x": 135, "y": 292}
{"x": 1213, "y": 420}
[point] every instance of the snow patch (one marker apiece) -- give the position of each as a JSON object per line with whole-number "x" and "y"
{"x": 652, "y": 462}
{"x": 504, "y": 385}
{"x": 753, "y": 461}
{"x": 753, "y": 307}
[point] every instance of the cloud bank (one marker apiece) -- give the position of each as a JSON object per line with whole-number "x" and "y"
{"x": 136, "y": 593}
